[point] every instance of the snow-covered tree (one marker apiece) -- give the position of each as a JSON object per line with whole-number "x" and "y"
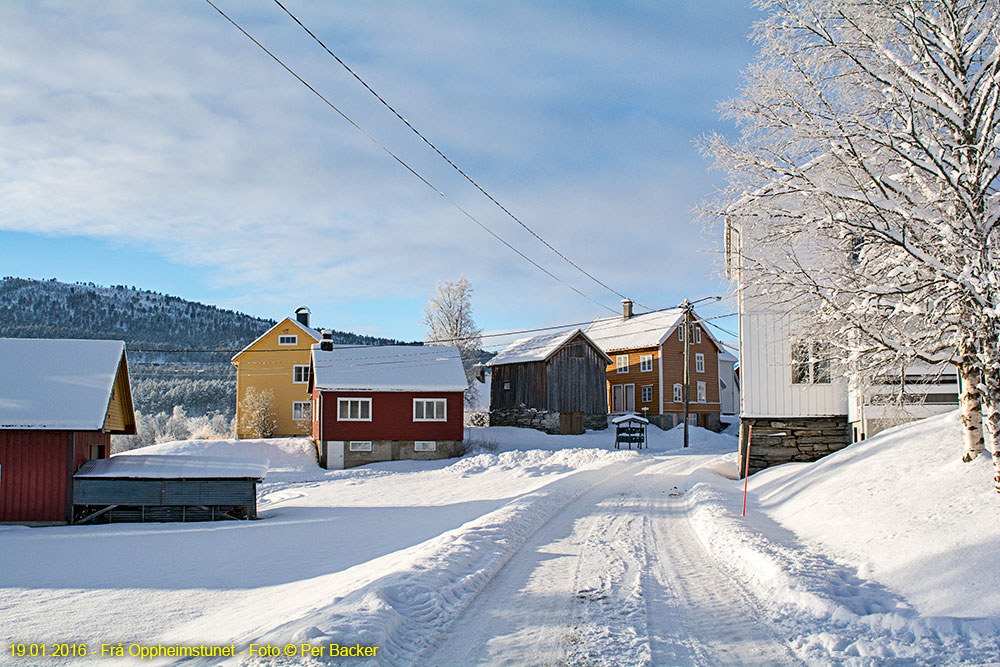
{"x": 258, "y": 415}
{"x": 448, "y": 317}
{"x": 867, "y": 171}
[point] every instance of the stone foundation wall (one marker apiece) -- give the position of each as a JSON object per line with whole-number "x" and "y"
{"x": 392, "y": 450}
{"x": 805, "y": 439}
{"x": 543, "y": 420}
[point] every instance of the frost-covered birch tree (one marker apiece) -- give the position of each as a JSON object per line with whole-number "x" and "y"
{"x": 448, "y": 317}
{"x": 868, "y": 168}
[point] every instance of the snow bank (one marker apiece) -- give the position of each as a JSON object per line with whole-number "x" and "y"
{"x": 879, "y": 552}
{"x": 512, "y": 438}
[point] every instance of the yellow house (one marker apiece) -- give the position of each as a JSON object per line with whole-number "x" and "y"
{"x": 278, "y": 361}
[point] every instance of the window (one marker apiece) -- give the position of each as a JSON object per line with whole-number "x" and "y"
{"x": 697, "y": 335}
{"x": 692, "y": 419}
{"x": 678, "y": 393}
{"x": 702, "y": 396}
{"x": 97, "y": 451}
{"x": 810, "y": 363}
{"x": 424, "y": 446}
{"x": 430, "y": 409}
{"x": 354, "y": 409}
{"x": 647, "y": 394}
{"x": 300, "y": 374}
{"x": 699, "y": 363}
{"x": 302, "y": 410}
{"x": 680, "y": 333}
{"x": 645, "y": 362}
{"x": 622, "y": 362}
{"x": 360, "y": 445}
{"x": 288, "y": 340}
{"x": 506, "y": 386}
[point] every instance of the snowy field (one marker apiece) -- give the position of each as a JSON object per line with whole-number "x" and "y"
{"x": 547, "y": 549}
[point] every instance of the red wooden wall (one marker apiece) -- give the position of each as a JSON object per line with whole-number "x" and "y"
{"x": 392, "y": 417}
{"x": 35, "y": 471}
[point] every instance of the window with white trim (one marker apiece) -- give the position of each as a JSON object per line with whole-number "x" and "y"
{"x": 678, "y": 393}
{"x": 645, "y": 362}
{"x": 430, "y": 409}
{"x": 360, "y": 445}
{"x": 702, "y": 392}
{"x": 680, "y": 333}
{"x": 810, "y": 363}
{"x": 425, "y": 446}
{"x": 699, "y": 363}
{"x": 300, "y": 373}
{"x": 647, "y": 394}
{"x": 354, "y": 409}
{"x": 302, "y": 410}
{"x": 288, "y": 340}
{"x": 697, "y": 335}
{"x": 622, "y": 362}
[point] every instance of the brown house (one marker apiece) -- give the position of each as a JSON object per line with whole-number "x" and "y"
{"x": 554, "y": 383}
{"x": 646, "y": 375}
{"x": 60, "y": 401}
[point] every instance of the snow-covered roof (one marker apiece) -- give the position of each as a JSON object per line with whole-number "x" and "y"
{"x": 536, "y": 348}
{"x": 647, "y": 330}
{"x": 629, "y": 418}
{"x": 312, "y": 333}
{"x": 725, "y": 355}
{"x": 389, "y": 368}
{"x": 166, "y": 466}
{"x": 57, "y": 384}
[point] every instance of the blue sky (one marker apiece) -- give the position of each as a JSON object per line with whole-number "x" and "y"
{"x": 151, "y": 144}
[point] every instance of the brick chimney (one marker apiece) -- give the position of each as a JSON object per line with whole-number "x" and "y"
{"x": 327, "y": 343}
{"x": 302, "y": 315}
{"x": 626, "y": 308}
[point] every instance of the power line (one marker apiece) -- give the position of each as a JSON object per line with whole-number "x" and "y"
{"x": 401, "y": 161}
{"x": 446, "y": 158}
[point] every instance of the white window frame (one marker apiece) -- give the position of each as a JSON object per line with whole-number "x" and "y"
{"x": 678, "y": 392}
{"x": 648, "y": 388}
{"x": 423, "y": 402}
{"x": 360, "y": 401}
{"x": 305, "y": 373}
{"x": 425, "y": 445}
{"x": 622, "y": 366}
{"x": 680, "y": 333}
{"x": 697, "y": 335}
{"x": 702, "y": 392}
{"x": 699, "y": 362}
{"x": 645, "y": 363}
{"x": 359, "y": 446}
{"x": 282, "y": 339}
{"x": 307, "y": 409}
{"x": 815, "y": 369}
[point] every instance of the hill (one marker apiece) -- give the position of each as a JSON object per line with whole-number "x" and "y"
{"x": 178, "y": 350}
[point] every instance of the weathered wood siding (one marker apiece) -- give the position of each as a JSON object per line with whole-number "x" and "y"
{"x": 576, "y": 379}
{"x": 217, "y": 492}
{"x": 527, "y": 386}
{"x": 120, "y": 417}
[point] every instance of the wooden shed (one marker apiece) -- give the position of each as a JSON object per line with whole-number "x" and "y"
{"x": 60, "y": 401}
{"x": 555, "y": 383}
{"x": 141, "y": 487}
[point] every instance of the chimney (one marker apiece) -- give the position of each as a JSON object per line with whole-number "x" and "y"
{"x": 327, "y": 343}
{"x": 626, "y": 308}
{"x": 302, "y": 315}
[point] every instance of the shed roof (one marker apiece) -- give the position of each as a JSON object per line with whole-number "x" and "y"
{"x": 57, "y": 384}
{"x": 538, "y": 348}
{"x": 389, "y": 368}
{"x": 171, "y": 466}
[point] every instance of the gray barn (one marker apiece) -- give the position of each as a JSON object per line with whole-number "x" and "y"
{"x": 555, "y": 383}
{"x": 167, "y": 488}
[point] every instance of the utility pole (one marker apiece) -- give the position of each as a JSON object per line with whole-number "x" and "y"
{"x": 687, "y": 366}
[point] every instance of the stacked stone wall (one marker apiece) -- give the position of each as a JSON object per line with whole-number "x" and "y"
{"x": 543, "y": 420}
{"x": 805, "y": 439}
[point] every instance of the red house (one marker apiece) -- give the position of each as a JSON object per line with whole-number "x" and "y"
{"x": 386, "y": 403}
{"x": 60, "y": 401}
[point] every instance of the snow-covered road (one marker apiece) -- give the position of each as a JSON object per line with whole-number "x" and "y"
{"x": 616, "y": 576}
